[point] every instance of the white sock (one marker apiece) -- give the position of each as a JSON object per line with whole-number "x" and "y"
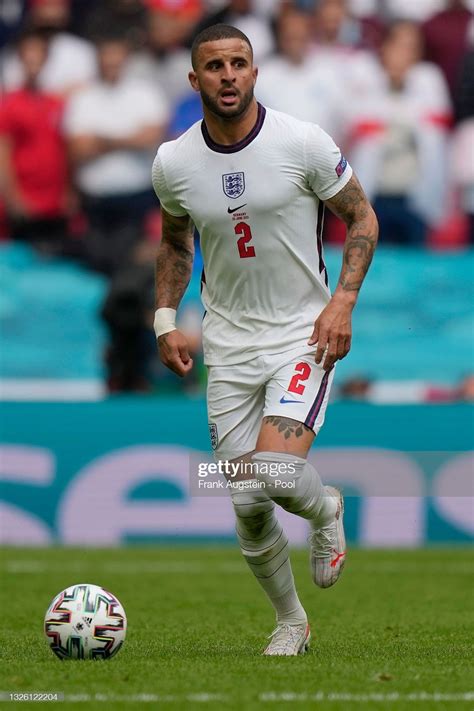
{"x": 289, "y": 609}
{"x": 264, "y": 546}
{"x": 308, "y": 498}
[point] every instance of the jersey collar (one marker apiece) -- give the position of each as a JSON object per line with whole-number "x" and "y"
{"x": 235, "y": 147}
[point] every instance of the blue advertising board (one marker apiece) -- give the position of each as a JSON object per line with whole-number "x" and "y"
{"x": 122, "y": 471}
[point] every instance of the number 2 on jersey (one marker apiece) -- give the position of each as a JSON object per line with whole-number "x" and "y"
{"x": 242, "y": 228}
{"x": 302, "y": 373}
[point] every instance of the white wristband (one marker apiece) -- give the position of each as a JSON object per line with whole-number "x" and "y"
{"x": 165, "y": 321}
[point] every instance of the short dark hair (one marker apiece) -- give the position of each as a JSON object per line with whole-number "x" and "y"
{"x": 214, "y": 33}
{"x": 30, "y": 32}
{"x": 111, "y": 36}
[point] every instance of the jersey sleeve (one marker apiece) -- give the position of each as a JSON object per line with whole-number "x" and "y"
{"x": 78, "y": 117}
{"x": 327, "y": 170}
{"x": 165, "y": 196}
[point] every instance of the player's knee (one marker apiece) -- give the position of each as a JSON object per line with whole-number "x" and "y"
{"x": 278, "y": 472}
{"x": 254, "y": 513}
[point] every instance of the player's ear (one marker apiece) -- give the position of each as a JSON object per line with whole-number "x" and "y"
{"x": 255, "y": 75}
{"x": 193, "y": 80}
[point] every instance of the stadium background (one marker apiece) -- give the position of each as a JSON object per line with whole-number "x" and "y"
{"x": 100, "y": 445}
{"x": 96, "y": 435}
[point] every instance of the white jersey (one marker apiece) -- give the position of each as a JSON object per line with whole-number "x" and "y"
{"x": 258, "y": 208}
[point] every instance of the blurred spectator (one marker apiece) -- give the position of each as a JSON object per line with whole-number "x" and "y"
{"x": 114, "y": 127}
{"x": 446, "y": 40}
{"x": 355, "y": 388}
{"x": 335, "y": 28}
{"x": 363, "y": 8}
{"x": 362, "y": 388}
{"x": 463, "y": 170}
{"x": 346, "y": 45}
{"x": 186, "y": 113}
{"x": 71, "y": 60}
{"x": 405, "y": 391}
{"x": 131, "y": 356}
{"x": 240, "y": 14}
{"x": 33, "y": 158}
{"x": 463, "y": 392}
{"x": 128, "y": 312}
{"x": 12, "y": 14}
{"x": 296, "y": 82}
{"x": 399, "y": 138}
{"x": 166, "y": 59}
{"x": 416, "y": 11}
{"x": 125, "y": 17}
{"x": 268, "y": 9}
{"x": 463, "y": 142}
{"x": 465, "y": 93}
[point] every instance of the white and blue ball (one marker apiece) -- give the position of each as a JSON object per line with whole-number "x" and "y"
{"x": 85, "y": 622}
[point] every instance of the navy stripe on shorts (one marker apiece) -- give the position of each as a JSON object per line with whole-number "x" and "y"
{"x": 318, "y": 401}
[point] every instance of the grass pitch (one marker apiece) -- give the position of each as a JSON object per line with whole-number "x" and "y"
{"x": 395, "y": 632}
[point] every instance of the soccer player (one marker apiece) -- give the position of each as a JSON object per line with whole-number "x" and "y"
{"x": 255, "y": 183}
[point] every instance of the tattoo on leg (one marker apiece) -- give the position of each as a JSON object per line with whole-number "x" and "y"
{"x": 287, "y": 426}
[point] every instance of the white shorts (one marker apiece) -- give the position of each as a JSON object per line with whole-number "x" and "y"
{"x": 288, "y": 384}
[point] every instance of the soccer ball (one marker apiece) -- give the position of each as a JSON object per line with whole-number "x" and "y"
{"x": 85, "y": 622}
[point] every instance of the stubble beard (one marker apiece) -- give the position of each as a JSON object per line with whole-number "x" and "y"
{"x": 233, "y": 112}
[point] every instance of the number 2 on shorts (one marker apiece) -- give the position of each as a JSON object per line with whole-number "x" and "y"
{"x": 302, "y": 373}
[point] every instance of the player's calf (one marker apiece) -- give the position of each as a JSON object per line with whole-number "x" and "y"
{"x": 264, "y": 546}
{"x": 295, "y": 484}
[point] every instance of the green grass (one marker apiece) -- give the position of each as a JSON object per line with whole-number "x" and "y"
{"x": 397, "y": 623}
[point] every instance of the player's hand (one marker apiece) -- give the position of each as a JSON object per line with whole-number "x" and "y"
{"x": 332, "y": 332}
{"x": 174, "y": 352}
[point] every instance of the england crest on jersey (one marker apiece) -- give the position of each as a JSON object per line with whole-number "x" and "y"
{"x": 233, "y": 184}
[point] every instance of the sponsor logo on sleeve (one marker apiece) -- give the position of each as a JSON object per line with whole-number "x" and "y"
{"x": 341, "y": 166}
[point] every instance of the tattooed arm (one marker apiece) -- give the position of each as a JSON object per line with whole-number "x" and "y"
{"x": 333, "y": 328}
{"x": 174, "y": 261}
{"x": 352, "y": 206}
{"x": 174, "y": 264}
